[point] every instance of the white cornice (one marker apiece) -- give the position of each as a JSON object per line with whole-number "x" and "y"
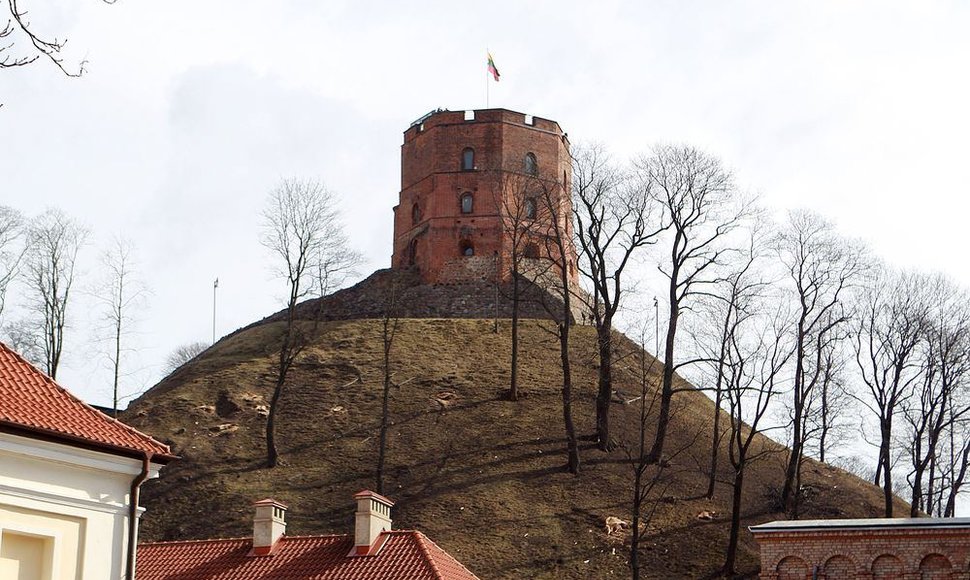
{"x": 73, "y": 456}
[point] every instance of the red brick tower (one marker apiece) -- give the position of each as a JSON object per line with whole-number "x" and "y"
{"x": 456, "y": 166}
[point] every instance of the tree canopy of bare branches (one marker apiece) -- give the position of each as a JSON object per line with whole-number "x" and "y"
{"x": 821, "y": 267}
{"x": 890, "y": 324}
{"x": 53, "y": 240}
{"x": 700, "y": 207}
{"x": 614, "y": 219}
{"x": 303, "y": 230}
{"x": 12, "y": 248}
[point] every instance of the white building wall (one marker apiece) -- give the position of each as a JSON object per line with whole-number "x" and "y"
{"x": 73, "y": 499}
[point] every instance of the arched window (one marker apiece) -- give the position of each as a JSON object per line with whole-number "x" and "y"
{"x": 468, "y": 159}
{"x": 531, "y": 251}
{"x": 467, "y": 203}
{"x": 530, "y": 208}
{"x": 466, "y": 248}
{"x": 531, "y": 165}
{"x": 415, "y": 214}
{"x": 413, "y": 252}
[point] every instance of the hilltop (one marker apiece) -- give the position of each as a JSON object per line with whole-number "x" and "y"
{"x": 480, "y": 475}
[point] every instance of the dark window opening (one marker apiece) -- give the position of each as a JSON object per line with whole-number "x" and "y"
{"x": 466, "y": 248}
{"x": 413, "y": 252}
{"x": 530, "y": 209}
{"x": 415, "y": 214}
{"x": 467, "y": 203}
{"x": 531, "y": 251}
{"x": 468, "y": 159}
{"x": 531, "y": 165}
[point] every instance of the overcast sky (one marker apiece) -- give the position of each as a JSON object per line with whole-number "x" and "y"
{"x": 190, "y": 112}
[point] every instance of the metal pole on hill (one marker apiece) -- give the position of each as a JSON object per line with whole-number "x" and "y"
{"x": 215, "y": 286}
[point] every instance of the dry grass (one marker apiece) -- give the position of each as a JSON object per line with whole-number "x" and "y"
{"x": 482, "y": 477}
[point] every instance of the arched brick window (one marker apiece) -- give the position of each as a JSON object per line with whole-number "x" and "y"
{"x": 935, "y": 567}
{"x": 466, "y": 248}
{"x": 839, "y": 567}
{"x": 467, "y": 203}
{"x": 887, "y": 567}
{"x": 530, "y": 208}
{"x": 468, "y": 159}
{"x": 792, "y": 568}
{"x": 531, "y": 164}
{"x": 415, "y": 214}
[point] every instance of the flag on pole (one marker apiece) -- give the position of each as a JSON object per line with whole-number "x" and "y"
{"x": 491, "y": 67}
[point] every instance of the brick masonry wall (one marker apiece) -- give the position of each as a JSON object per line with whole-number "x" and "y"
{"x": 430, "y": 230}
{"x": 891, "y": 554}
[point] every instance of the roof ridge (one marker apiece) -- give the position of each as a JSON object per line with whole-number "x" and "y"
{"x": 444, "y": 552}
{"x": 427, "y": 554}
{"x": 248, "y": 538}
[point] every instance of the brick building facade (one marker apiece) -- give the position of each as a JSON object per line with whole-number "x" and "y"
{"x": 460, "y": 171}
{"x": 870, "y": 549}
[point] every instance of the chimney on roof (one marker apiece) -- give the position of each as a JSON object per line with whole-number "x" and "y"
{"x": 269, "y": 525}
{"x": 373, "y": 516}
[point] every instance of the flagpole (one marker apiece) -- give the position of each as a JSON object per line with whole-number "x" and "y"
{"x": 487, "y": 72}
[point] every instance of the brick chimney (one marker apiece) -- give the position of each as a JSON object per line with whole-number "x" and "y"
{"x": 269, "y": 525}
{"x": 373, "y": 516}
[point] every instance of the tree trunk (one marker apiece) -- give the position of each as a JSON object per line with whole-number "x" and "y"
{"x": 789, "y": 492}
{"x": 382, "y": 448}
{"x": 514, "y": 371}
{"x": 716, "y": 441}
{"x": 635, "y": 537}
{"x": 887, "y": 481}
{"x": 667, "y": 387}
{"x": 572, "y": 446}
{"x": 732, "y": 549}
{"x": 272, "y": 454}
{"x": 604, "y": 335}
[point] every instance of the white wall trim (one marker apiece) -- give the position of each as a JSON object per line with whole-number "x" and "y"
{"x": 74, "y": 456}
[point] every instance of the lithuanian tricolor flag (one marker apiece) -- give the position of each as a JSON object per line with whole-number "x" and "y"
{"x": 491, "y": 67}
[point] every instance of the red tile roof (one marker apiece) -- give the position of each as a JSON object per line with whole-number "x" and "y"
{"x": 31, "y": 403}
{"x": 405, "y": 555}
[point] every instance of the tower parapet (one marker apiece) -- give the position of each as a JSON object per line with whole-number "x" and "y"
{"x": 451, "y": 222}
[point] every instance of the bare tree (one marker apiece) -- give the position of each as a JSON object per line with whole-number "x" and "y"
{"x": 700, "y": 207}
{"x": 302, "y": 228}
{"x": 520, "y": 211}
{"x": 613, "y": 220}
{"x": 183, "y": 354}
{"x": 12, "y": 248}
{"x": 821, "y": 267}
{"x": 735, "y": 291}
{"x": 24, "y": 337}
{"x": 121, "y": 295}
{"x": 22, "y": 45}
{"x": 54, "y": 240}
{"x": 759, "y": 349}
{"x": 941, "y": 399}
{"x": 552, "y": 228}
{"x": 390, "y": 320}
{"x": 891, "y": 322}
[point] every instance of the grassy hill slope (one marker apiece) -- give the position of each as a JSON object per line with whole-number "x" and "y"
{"x": 481, "y": 476}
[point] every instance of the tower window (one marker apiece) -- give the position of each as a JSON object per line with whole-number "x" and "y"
{"x": 466, "y": 248}
{"x": 467, "y": 203}
{"x": 415, "y": 214}
{"x": 413, "y": 252}
{"x": 531, "y": 251}
{"x": 531, "y": 165}
{"x": 530, "y": 208}
{"x": 468, "y": 159}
